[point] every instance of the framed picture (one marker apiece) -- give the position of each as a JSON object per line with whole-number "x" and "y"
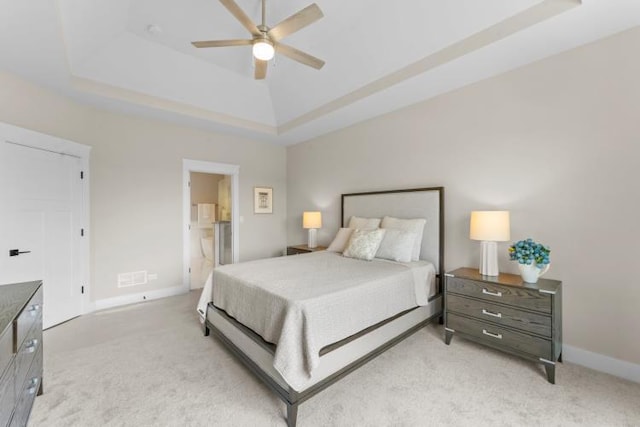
{"x": 262, "y": 200}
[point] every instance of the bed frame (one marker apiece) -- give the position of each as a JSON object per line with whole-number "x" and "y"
{"x": 399, "y": 203}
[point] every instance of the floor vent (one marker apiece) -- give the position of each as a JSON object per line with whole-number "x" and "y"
{"x": 134, "y": 278}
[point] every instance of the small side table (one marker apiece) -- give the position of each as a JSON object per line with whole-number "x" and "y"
{"x": 303, "y": 249}
{"x": 506, "y": 313}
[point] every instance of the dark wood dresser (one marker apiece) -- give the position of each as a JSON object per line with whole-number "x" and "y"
{"x": 506, "y": 313}
{"x": 20, "y": 351}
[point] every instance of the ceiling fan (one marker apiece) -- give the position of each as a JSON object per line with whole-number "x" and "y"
{"x": 266, "y": 40}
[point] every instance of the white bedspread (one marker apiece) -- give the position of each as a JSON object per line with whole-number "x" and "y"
{"x": 304, "y": 302}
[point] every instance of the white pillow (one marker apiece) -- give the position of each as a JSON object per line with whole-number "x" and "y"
{"x": 364, "y": 244}
{"x": 341, "y": 240}
{"x": 397, "y": 245}
{"x": 412, "y": 225}
{"x": 364, "y": 223}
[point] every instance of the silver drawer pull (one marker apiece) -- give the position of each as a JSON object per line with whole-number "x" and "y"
{"x": 31, "y": 347}
{"x": 492, "y": 314}
{"x": 34, "y": 309}
{"x": 493, "y": 294}
{"x": 33, "y": 385}
{"x": 499, "y": 336}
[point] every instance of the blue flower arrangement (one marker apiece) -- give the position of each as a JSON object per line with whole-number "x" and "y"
{"x": 527, "y": 251}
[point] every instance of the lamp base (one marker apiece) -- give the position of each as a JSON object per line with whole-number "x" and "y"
{"x": 313, "y": 238}
{"x": 489, "y": 261}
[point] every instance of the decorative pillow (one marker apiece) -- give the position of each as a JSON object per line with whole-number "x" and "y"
{"x": 364, "y": 223}
{"x": 397, "y": 245}
{"x": 412, "y": 225}
{"x": 364, "y": 244}
{"x": 341, "y": 240}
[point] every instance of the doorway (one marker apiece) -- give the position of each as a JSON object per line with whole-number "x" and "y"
{"x": 44, "y": 219}
{"x": 211, "y": 217}
{"x": 209, "y": 224}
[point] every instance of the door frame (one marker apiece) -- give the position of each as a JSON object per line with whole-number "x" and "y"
{"x": 41, "y": 141}
{"x": 189, "y": 166}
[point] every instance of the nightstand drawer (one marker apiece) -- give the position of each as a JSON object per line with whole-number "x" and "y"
{"x": 500, "y": 314}
{"x": 303, "y": 249}
{"x": 499, "y": 336}
{"x": 531, "y": 299}
{"x": 293, "y": 251}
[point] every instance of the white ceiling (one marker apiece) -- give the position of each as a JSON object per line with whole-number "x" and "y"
{"x": 380, "y": 56}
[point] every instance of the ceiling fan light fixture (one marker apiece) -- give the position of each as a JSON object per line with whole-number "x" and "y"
{"x": 263, "y": 50}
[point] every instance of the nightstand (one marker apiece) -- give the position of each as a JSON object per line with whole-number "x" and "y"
{"x": 303, "y": 249}
{"x": 506, "y": 313}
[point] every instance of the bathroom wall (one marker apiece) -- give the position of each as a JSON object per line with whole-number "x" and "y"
{"x": 204, "y": 187}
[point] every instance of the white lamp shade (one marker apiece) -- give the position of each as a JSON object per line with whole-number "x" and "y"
{"x": 490, "y": 226}
{"x": 263, "y": 50}
{"x": 312, "y": 220}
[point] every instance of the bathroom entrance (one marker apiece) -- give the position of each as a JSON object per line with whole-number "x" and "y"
{"x": 210, "y": 224}
{"x": 211, "y": 219}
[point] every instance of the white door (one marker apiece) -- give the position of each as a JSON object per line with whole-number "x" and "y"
{"x": 40, "y": 213}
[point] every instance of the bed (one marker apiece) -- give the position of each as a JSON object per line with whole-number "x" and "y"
{"x": 292, "y": 320}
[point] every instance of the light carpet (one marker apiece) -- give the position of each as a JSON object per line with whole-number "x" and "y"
{"x": 150, "y": 365}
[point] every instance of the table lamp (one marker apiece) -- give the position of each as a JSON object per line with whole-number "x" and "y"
{"x": 312, "y": 221}
{"x": 489, "y": 227}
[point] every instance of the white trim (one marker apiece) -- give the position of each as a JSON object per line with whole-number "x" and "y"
{"x": 602, "y": 363}
{"x": 101, "y": 304}
{"x": 38, "y": 140}
{"x": 189, "y": 166}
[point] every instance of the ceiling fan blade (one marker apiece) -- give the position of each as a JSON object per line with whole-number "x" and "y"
{"x": 295, "y": 22}
{"x": 221, "y": 43}
{"x": 260, "y": 69}
{"x": 300, "y": 56}
{"x": 246, "y": 22}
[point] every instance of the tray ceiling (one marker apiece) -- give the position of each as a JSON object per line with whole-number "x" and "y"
{"x": 135, "y": 55}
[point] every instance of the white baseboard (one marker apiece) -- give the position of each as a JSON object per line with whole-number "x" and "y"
{"x": 602, "y": 363}
{"x": 139, "y": 297}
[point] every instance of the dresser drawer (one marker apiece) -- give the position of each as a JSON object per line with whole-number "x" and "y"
{"x": 7, "y": 394}
{"x": 31, "y": 313}
{"x": 500, "y": 314}
{"x": 531, "y": 299}
{"x": 27, "y": 352}
{"x": 499, "y": 336}
{"x": 20, "y": 350}
{"x": 28, "y": 392}
{"x": 6, "y": 349}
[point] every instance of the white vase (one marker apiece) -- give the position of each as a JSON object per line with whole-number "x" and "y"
{"x": 530, "y": 273}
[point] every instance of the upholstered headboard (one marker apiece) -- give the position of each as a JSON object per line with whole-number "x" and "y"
{"x": 425, "y": 203}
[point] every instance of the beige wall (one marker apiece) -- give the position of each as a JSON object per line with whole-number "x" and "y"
{"x": 136, "y": 183}
{"x": 556, "y": 143}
